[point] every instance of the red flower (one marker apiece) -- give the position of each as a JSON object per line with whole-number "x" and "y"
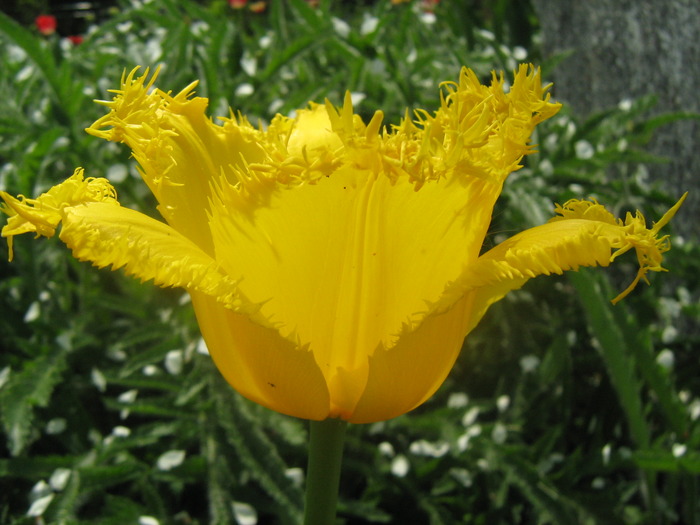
{"x": 75, "y": 39}
{"x": 237, "y": 4}
{"x": 46, "y": 24}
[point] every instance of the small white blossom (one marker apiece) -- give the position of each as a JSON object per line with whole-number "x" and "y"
{"x": 386, "y": 449}
{"x": 669, "y": 334}
{"x": 249, "y": 64}
{"x": 244, "y": 90}
{"x": 369, "y": 25}
{"x": 666, "y": 359}
{"x": 56, "y": 426}
{"x": 121, "y": 431}
{"x": 519, "y": 53}
{"x": 598, "y": 483}
{"x": 59, "y": 479}
{"x": 39, "y": 506}
{"x": 128, "y": 397}
{"x": 625, "y": 104}
{"x": 583, "y": 149}
{"x": 5, "y": 376}
{"x": 529, "y": 363}
{"x": 150, "y": 370}
{"x": 174, "y": 362}
{"x": 202, "y": 347}
{"x": 296, "y": 475}
{"x": 499, "y": 433}
{"x": 33, "y": 312}
{"x": 502, "y": 403}
{"x": 463, "y": 476}
{"x": 678, "y": 450}
{"x": 426, "y": 448}
{"x": 117, "y": 173}
{"x": 400, "y": 466}
{"x": 458, "y": 400}
{"x": 245, "y": 514}
{"x": 470, "y": 416}
{"x": 170, "y": 459}
{"x": 341, "y": 27}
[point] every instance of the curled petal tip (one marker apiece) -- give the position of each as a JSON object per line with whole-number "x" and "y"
{"x": 669, "y": 214}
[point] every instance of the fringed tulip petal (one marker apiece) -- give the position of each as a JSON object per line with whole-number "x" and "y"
{"x": 178, "y": 147}
{"x": 43, "y": 214}
{"x": 109, "y": 235}
{"x": 584, "y": 234}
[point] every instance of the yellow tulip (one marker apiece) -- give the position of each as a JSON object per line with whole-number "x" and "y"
{"x": 334, "y": 266}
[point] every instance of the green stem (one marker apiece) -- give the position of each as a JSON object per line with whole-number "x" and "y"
{"x": 323, "y": 472}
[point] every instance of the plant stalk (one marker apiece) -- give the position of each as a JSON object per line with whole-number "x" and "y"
{"x": 323, "y": 472}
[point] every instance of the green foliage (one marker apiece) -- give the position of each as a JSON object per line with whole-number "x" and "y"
{"x": 562, "y": 409}
{"x": 30, "y": 388}
{"x": 25, "y": 10}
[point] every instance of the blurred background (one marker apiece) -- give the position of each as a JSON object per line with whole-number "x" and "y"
{"x": 561, "y": 408}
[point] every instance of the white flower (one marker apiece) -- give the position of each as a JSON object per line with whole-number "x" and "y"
{"x": 400, "y": 466}
{"x": 244, "y": 513}
{"x": 170, "y": 459}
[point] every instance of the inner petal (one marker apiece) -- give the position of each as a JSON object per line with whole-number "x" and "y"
{"x": 346, "y": 263}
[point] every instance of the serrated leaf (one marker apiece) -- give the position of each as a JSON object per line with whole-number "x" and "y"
{"x": 604, "y": 326}
{"x": 255, "y": 450}
{"x": 33, "y": 467}
{"x": 663, "y": 461}
{"x": 26, "y": 390}
{"x": 552, "y": 506}
{"x": 66, "y": 503}
{"x": 102, "y": 477}
{"x": 119, "y": 510}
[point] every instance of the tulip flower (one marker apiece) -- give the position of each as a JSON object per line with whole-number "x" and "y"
{"x": 334, "y": 266}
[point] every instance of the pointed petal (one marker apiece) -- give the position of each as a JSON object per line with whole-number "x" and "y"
{"x": 180, "y": 150}
{"x": 43, "y": 214}
{"x": 584, "y": 234}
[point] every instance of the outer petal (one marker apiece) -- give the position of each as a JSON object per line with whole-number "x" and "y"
{"x": 404, "y": 376}
{"x": 585, "y": 234}
{"x": 178, "y": 147}
{"x": 108, "y": 235}
{"x": 99, "y": 230}
{"x": 407, "y": 374}
{"x": 262, "y": 365}
{"x": 43, "y": 214}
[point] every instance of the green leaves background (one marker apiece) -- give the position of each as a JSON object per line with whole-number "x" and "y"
{"x": 561, "y": 409}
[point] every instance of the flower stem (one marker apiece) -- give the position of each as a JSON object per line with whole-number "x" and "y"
{"x": 323, "y": 472}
